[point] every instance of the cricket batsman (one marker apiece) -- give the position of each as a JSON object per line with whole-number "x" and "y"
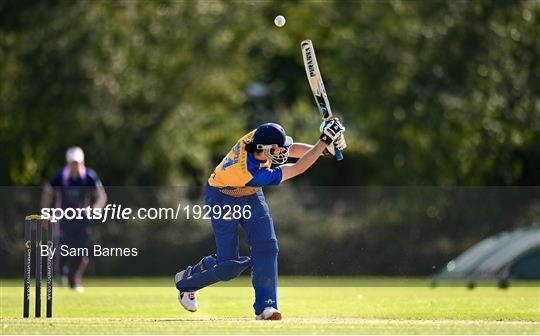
{"x": 237, "y": 181}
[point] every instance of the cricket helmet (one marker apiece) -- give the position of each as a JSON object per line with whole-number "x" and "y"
{"x": 270, "y": 136}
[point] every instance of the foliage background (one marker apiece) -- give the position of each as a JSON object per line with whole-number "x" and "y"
{"x": 433, "y": 93}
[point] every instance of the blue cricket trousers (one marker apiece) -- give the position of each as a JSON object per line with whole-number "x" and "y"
{"x": 261, "y": 238}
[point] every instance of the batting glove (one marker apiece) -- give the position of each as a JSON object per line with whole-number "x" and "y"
{"x": 331, "y": 130}
{"x": 339, "y": 144}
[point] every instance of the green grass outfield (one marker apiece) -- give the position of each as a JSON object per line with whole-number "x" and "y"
{"x": 309, "y": 306}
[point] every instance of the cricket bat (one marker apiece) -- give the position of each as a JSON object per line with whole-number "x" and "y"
{"x": 316, "y": 84}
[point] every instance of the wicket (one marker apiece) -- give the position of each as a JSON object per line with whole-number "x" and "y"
{"x": 28, "y": 227}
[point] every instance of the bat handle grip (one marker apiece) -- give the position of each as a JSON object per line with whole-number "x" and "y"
{"x": 339, "y": 155}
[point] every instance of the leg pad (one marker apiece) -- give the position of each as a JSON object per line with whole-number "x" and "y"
{"x": 264, "y": 248}
{"x": 223, "y": 271}
{"x": 230, "y": 269}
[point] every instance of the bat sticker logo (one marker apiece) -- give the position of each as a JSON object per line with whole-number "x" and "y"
{"x": 309, "y": 60}
{"x": 322, "y": 105}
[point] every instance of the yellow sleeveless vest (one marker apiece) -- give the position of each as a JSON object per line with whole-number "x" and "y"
{"x": 233, "y": 171}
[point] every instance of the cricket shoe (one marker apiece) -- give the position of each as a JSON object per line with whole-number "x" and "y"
{"x": 78, "y": 289}
{"x": 269, "y": 313}
{"x": 188, "y": 300}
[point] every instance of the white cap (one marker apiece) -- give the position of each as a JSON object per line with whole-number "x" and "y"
{"x": 74, "y": 154}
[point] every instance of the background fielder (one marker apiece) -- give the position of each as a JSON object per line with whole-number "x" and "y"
{"x": 74, "y": 186}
